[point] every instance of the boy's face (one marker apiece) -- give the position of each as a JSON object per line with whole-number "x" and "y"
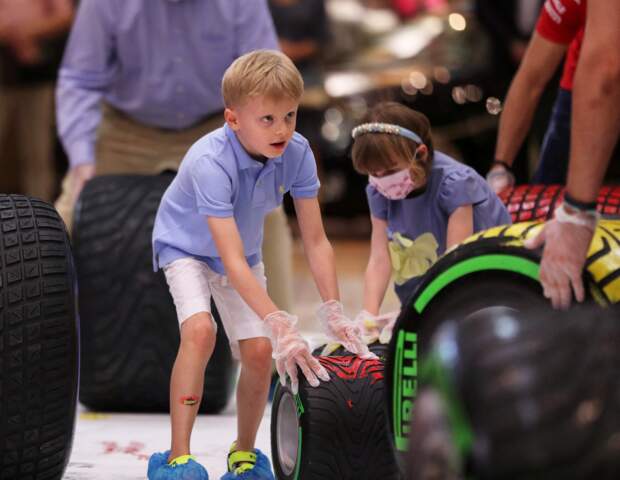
{"x": 263, "y": 125}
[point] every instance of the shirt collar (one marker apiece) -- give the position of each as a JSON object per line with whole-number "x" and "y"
{"x": 245, "y": 160}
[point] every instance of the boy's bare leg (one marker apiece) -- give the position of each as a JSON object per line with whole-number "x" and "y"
{"x": 187, "y": 380}
{"x": 253, "y": 389}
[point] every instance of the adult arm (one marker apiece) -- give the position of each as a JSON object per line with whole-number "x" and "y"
{"x": 539, "y": 64}
{"x": 85, "y": 74}
{"x": 595, "y": 120}
{"x": 379, "y": 268}
{"x": 594, "y": 132}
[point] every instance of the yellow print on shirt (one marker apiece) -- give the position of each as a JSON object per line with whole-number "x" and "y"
{"x": 412, "y": 258}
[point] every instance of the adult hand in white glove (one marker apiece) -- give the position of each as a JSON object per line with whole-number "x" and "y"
{"x": 500, "y": 177}
{"x": 566, "y": 241}
{"x": 342, "y": 329}
{"x": 290, "y": 351}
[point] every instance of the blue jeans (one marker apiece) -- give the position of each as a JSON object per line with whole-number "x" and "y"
{"x": 556, "y": 144}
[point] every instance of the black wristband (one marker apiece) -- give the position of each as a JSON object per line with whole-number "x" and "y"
{"x": 503, "y": 164}
{"x": 578, "y": 205}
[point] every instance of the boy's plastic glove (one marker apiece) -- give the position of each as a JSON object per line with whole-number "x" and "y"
{"x": 290, "y": 350}
{"x": 342, "y": 329}
{"x": 376, "y": 327}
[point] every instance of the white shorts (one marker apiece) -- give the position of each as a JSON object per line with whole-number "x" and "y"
{"x": 192, "y": 283}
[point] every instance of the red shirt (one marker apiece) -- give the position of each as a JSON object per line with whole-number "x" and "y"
{"x": 564, "y": 21}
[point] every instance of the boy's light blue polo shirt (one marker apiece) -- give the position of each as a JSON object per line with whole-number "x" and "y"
{"x": 218, "y": 178}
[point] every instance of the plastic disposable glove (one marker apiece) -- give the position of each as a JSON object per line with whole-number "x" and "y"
{"x": 342, "y": 329}
{"x": 290, "y": 351}
{"x": 376, "y": 327}
{"x": 499, "y": 178}
{"x": 566, "y": 239}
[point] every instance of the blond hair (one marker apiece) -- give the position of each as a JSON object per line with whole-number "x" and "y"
{"x": 378, "y": 151}
{"x": 262, "y": 72}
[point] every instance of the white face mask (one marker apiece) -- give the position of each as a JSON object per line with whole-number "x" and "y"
{"x": 395, "y": 186}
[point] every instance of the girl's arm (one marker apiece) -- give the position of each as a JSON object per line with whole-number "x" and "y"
{"x": 230, "y": 247}
{"x": 379, "y": 269}
{"x": 318, "y": 250}
{"x": 460, "y": 225}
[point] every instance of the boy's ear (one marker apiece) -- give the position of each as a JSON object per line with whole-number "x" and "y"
{"x": 231, "y": 118}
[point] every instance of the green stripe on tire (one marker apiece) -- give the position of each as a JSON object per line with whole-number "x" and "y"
{"x": 520, "y": 265}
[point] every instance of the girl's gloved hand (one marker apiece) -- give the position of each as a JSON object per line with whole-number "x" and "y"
{"x": 376, "y": 327}
{"x": 290, "y": 351}
{"x": 342, "y": 329}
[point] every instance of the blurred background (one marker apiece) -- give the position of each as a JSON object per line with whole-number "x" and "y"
{"x": 452, "y": 60}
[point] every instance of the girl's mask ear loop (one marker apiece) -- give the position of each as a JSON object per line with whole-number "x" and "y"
{"x": 416, "y": 192}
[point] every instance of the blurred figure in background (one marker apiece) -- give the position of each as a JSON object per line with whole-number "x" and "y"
{"x": 302, "y": 30}
{"x": 31, "y": 44}
{"x": 303, "y": 33}
{"x": 411, "y": 8}
{"x": 510, "y": 24}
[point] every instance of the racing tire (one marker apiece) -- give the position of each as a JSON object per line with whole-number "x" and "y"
{"x": 130, "y": 331}
{"x": 538, "y": 202}
{"x": 480, "y": 275}
{"x": 336, "y": 430}
{"x": 39, "y": 351}
{"x": 521, "y": 396}
{"x": 490, "y": 270}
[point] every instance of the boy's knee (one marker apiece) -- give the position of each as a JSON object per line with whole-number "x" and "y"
{"x": 199, "y": 332}
{"x": 256, "y": 355}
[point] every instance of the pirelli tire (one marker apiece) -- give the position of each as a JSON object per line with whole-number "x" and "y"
{"x": 537, "y": 202}
{"x": 336, "y": 430}
{"x": 130, "y": 331}
{"x": 490, "y": 270}
{"x": 520, "y": 396}
{"x": 39, "y": 351}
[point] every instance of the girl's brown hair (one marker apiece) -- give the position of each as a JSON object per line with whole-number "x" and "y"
{"x": 378, "y": 151}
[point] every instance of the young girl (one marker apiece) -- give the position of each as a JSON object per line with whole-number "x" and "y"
{"x": 421, "y": 202}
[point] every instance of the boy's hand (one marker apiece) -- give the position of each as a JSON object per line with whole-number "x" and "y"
{"x": 290, "y": 351}
{"x": 342, "y": 329}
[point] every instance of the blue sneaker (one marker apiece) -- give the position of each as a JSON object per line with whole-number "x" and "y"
{"x": 244, "y": 465}
{"x": 157, "y": 460}
{"x": 184, "y": 467}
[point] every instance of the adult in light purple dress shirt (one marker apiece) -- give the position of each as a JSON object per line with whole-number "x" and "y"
{"x": 159, "y": 62}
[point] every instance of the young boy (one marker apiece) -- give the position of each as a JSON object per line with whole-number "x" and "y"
{"x": 207, "y": 238}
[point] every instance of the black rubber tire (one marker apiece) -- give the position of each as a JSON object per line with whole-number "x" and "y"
{"x": 341, "y": 425}
{"x": 537, "y": 202}
{"x": 538, "y": 392}
{"x": 458, "y": 299}
{"x": 130, "y": 331}
{"x": 39, "y": 351}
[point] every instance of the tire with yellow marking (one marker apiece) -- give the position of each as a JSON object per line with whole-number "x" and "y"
{"x": 490, "y": 269}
